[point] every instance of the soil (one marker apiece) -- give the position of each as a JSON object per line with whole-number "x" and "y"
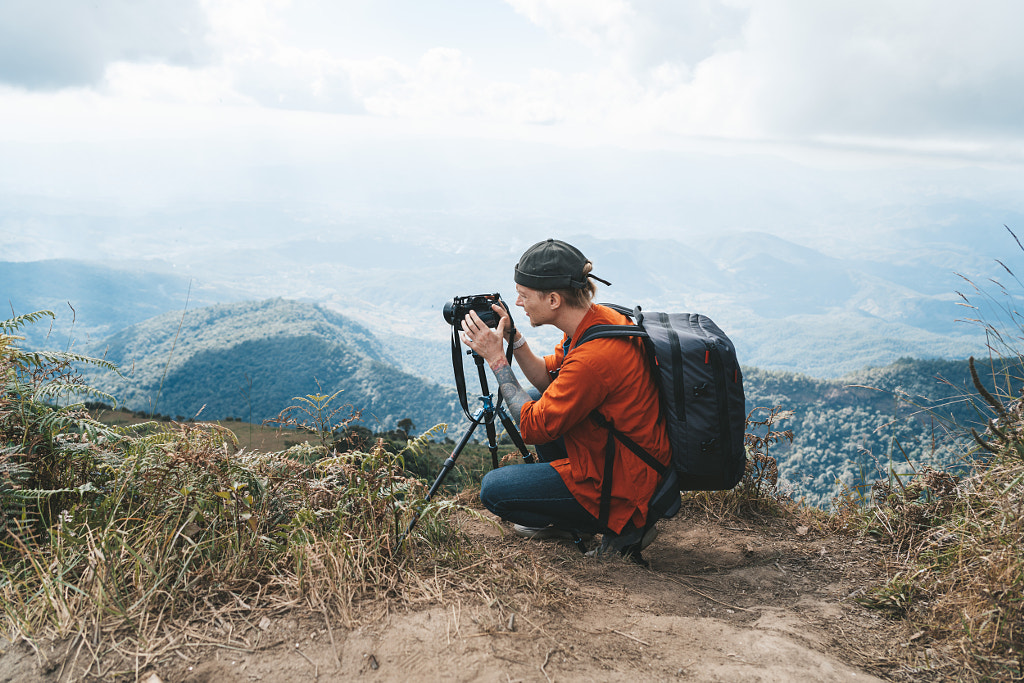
{"x": 721, "y": 601}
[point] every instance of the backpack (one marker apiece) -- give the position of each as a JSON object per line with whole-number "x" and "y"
{"x": 701, "y": 391}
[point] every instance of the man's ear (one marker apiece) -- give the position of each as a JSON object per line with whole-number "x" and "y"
{"x": 554, "y": 300}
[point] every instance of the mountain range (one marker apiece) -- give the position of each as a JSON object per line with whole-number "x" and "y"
{"x": 787, "y": 306}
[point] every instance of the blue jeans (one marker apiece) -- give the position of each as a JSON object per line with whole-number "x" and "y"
{"x": 533, "y": 494}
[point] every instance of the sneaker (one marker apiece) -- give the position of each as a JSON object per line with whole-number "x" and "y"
{"x": 628, "y": 545}
{"x": 540, "y": 533}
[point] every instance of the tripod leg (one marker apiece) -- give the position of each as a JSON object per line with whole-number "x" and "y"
{"x": 450, "y": 462}
{"x": 445, "y": 469}
{"x": 513, "y": 432}
{"x": 492, "y": 440}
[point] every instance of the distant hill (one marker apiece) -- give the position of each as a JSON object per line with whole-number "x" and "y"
{"x": 249, "y": 360}
{"x": 92, "y": 300}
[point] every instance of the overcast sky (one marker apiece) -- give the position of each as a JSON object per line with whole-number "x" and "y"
{"x": 811, "y": 119}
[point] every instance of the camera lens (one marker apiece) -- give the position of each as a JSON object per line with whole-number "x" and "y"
{"x": 449, "y": 312}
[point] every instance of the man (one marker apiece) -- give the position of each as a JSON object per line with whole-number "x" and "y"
{"x": 562, "y": 495}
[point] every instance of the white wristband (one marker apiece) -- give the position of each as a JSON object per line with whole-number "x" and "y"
{"x": 518, "y": 343}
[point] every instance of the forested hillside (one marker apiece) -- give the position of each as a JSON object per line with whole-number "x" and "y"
{"x": 249, "y": 360}
{"x": 853, "y": 430}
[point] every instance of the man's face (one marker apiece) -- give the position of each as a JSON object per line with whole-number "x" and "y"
{"x": 536, "y": 306}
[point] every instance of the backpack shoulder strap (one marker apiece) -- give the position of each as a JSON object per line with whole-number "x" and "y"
{"x": 605, "y": 501}
{"x": 629, "y": 313}
{"x": 608, "y": 331}
{"x": 626, "y": 330}
{"x": 604, "y": 331}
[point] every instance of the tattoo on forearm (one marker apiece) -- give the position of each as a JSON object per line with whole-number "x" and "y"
{"x": 515, "y": 396}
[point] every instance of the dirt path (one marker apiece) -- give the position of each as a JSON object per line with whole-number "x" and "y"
{"x": 720, "y": 602}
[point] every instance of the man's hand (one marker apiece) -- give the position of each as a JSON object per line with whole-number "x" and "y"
{"x": 486, "y": 342}
{"x": 503, "y": 316}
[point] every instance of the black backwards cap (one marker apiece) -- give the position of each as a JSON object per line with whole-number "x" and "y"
{"x": 553, "y": 264}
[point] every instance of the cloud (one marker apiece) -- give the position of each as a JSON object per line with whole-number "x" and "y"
{"x": 640, "y": 35}
{"x": 916, "y": 68}
{"x": 51, "y": 44}
{"x": 263, "y": 62}
{"x": 599, "y": 24}
{"x": 919, "y": 74}
{"x": 799, "y": 70}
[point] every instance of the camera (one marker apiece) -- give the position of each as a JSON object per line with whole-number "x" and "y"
{"x": 459, "y": 307}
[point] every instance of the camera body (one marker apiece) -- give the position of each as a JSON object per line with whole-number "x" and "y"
{"x": 459, "y": 307}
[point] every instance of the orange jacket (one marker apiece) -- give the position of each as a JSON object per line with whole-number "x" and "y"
{"x": 613, "y": 377}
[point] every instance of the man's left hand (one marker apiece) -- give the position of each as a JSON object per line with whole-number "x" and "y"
{"x": 486, "y": 342}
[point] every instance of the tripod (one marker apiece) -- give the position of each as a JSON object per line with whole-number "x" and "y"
{"x": 484, "y": 415}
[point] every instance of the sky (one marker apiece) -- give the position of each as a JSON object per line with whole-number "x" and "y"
{"x": 158, "y": 128}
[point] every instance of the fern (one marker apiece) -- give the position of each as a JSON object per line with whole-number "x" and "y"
{"x": 13, "y": 478}
{"x": 8, "y": 327}
{"x": 40, "y": 359}
{"x": 50, "y": 453}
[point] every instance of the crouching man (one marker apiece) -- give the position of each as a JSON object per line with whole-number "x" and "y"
{"x": 586, "y": 482}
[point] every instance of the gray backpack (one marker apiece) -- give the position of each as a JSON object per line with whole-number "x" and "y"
{"x": 701, "y": 390}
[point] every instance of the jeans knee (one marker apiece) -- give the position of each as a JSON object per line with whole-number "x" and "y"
{"x": 488, "y": 491}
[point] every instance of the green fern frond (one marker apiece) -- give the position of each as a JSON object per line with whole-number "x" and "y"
{"x": 38, "y": 359}
{"x": 418, "y": 444}
{"x": 63, "y": 421}
{"x": 95, "y": 430}
{"x": 17, "y": 322}
{"x": 134, "y": 430}
{"x": 55, "y": 390}
{"x": 34, "y": 496}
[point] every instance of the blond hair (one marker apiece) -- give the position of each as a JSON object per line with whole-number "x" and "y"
{"x": 579, "y": 298}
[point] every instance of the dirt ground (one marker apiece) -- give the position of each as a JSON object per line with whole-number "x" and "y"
{"x": 721, "y": 601}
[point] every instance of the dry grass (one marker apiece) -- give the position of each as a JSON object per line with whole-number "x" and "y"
{"x": 956, "y": 565}
{"x": 129, "y": 545}
{"x": 194, "y": 544}
{"x": 956, "y": 538}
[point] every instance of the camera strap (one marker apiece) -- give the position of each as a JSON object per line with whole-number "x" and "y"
{"x": 460, "y": 375}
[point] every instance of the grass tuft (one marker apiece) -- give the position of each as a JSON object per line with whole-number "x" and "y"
{"x": 757, "y": 495}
